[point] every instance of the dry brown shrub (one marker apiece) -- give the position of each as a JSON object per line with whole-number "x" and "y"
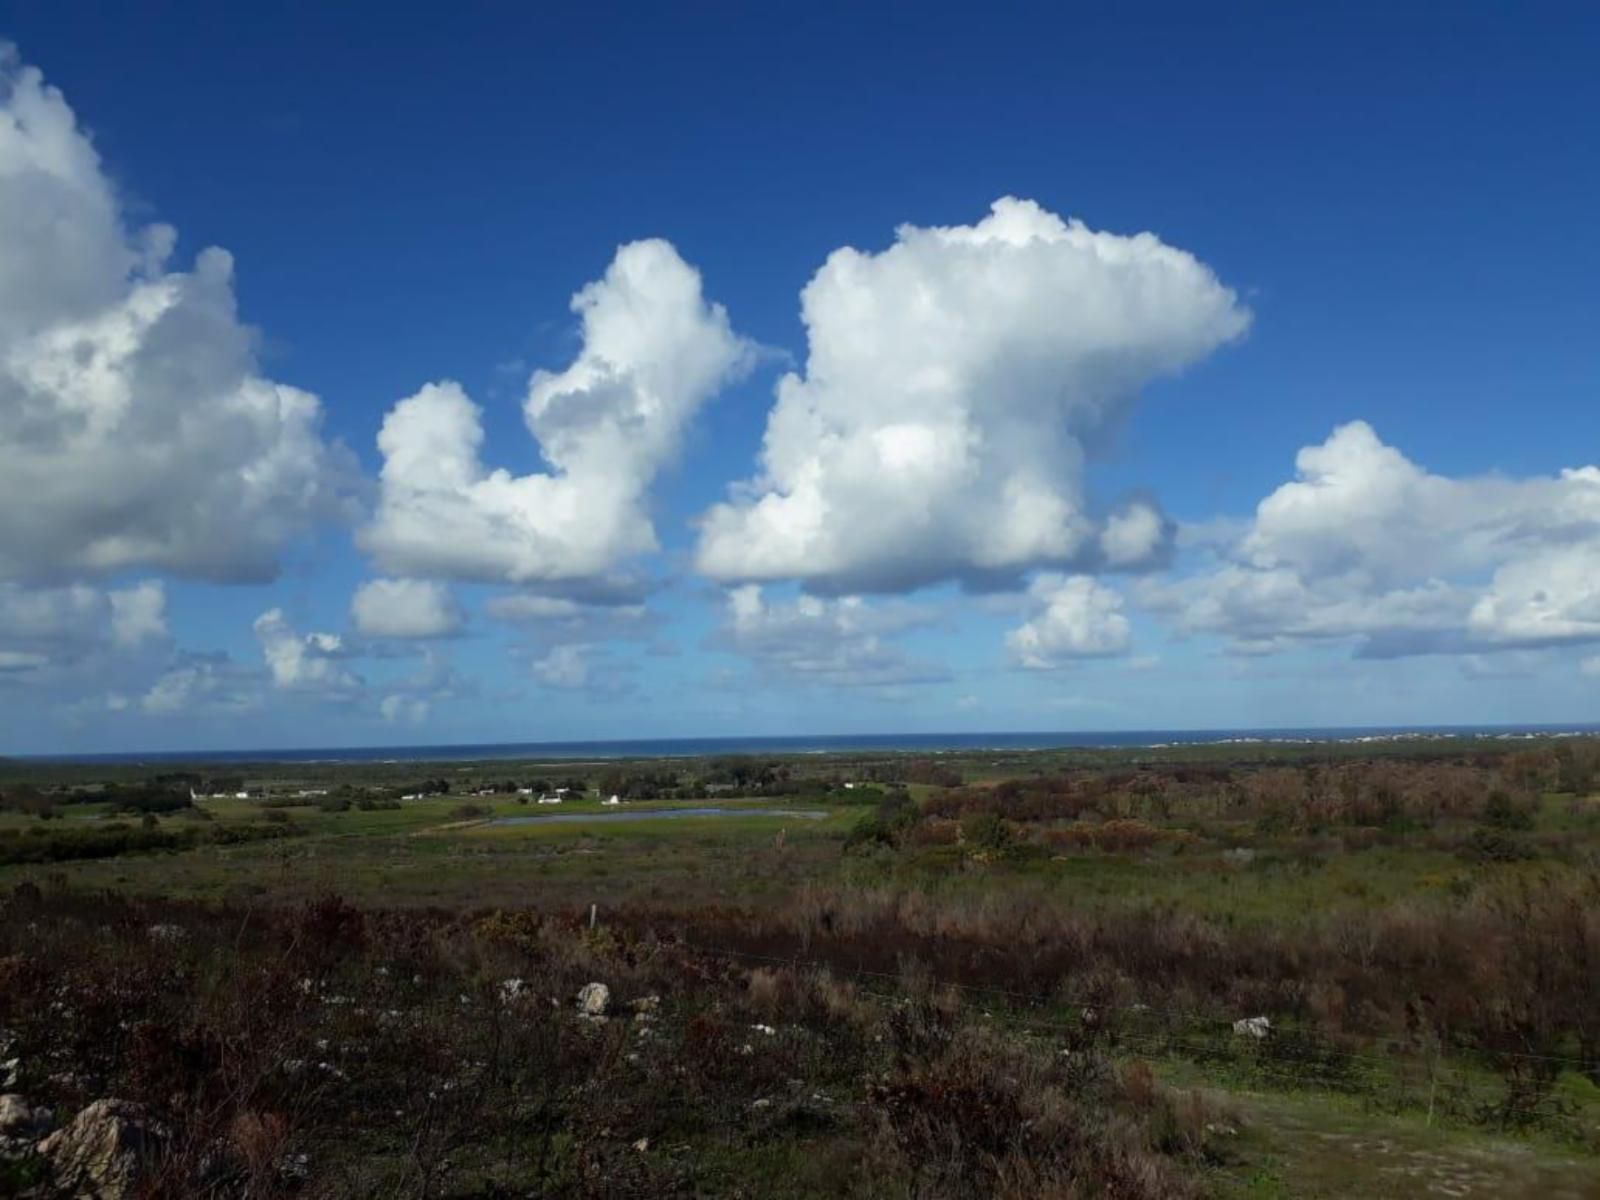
{"x": 839, "y": 999}
{"x": 935, "y": 831}
{"x": 257, "y": 1139}
{"x": 1120, "y": 837}
{"x": 1139, "y": 1084}
{"x": 771, "y": 991}
{"x": 1071, "y": 838}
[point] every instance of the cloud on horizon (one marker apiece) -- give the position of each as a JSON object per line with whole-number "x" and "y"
{"x": 1366, "y": 547}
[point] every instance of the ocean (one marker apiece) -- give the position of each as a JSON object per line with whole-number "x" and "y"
{"x": 928, "y": 743}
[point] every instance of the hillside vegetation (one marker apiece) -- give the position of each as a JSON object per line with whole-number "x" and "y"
{"x": 1163, "y": 975}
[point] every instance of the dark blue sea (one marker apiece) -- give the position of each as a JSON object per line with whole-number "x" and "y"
{"x": 928, "y": 743}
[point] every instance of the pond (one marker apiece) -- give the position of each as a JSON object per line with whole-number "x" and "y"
{"x": 660, "y": 814}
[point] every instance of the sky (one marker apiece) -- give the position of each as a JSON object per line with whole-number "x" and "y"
{"x": 546, "y": 372}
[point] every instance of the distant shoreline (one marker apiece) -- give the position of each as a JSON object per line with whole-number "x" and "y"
{"x": 910, "y": 743}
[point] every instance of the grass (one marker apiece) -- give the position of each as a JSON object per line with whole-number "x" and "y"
{"x": 1313, "y": 1146}
{"x": 1279, "y": 884}
{"x": 421, "y": 854}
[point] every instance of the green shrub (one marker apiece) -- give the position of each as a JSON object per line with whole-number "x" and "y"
{"x": 1496, "y": 845}
{"x": 115, "y": 838}
{"x": 1503, "y": 813}
{"x": 870, "y": 830}
{"x": 147, "y": 798}
{"x": 985, "y": 831}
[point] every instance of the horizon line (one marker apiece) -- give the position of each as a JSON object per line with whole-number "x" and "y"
{"x": 451, "y": 750}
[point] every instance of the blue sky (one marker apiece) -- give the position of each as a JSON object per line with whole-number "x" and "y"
{"x": 1312, "y": 452}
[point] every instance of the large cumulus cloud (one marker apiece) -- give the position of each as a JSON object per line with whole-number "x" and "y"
{"x": 1366, "y": 545}
{"x": 954, "y": 387}
{"x": 654, "y": 350}
{"x": 138, "y": 432}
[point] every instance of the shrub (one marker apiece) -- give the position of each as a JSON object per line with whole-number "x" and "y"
{"x": 1497, "y": 846}
{"x": 114, "y": 838}
{"x": 146, "y": 798}
{"x": 868, "y": 831}
{"x": 985, "y": 831}
{"x": 968, "y": 1116}
{"x": 935, "y": 831}
{"x": 1117, "y": 837}
{"x": 896, "y": 813}
{"x": 1502, "y": 813}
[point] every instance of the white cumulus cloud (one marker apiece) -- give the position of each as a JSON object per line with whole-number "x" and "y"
{"x": 584, "y": 667}
{"x": 198, "y": 685}
{"x": 138, "y": 432}
{"x": 955, "y": 386}
{"x": 549, "y": 620}
{"x": 405, "y": 608}
{"x": 398, "y": 709}
{"x": 1134, "y": 535}
{"x": 1364, "y": 544}
{"x": 309, "y": 663}
{"x": 654, "y": 350}
{"x": 57, "y": 626}
{"x": 565, "y": 666}
{"x": 138, "y": 614}
{"x": 1076, "y": 618}
{"x": 844, "y": 642}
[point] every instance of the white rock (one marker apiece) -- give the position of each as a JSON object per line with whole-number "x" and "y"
{"x": 18, "y": 1118}
{"x": 594, "y": 1000}
{"x": 1256, "y": 1027}
{"x": 106, "y": 1152}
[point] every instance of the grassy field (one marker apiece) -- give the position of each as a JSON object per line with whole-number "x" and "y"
{"x": 1422, "y": 931}
{"x": 424, "y": 854}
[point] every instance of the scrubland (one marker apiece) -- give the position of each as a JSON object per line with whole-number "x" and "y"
{"x": 1298, "y": 971}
